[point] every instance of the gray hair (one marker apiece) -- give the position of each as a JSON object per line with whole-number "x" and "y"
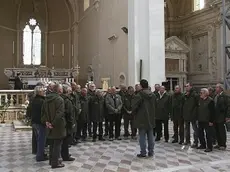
{"x": 38, "y": 90}
{"x": 66, "y": 88}
{"x": 205, "y": 90}
{"x": 56, "y": 87}
{"x": 221, "y": 86}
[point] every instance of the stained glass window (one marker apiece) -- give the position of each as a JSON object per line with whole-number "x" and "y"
{"x": 32, "y": 43}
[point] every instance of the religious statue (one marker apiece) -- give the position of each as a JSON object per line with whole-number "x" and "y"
{"x": 90, "y": 73}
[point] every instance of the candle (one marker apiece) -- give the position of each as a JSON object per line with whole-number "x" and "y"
{"x": 63, "y": 49}
{"x": 53, "y": 49}
{"x": 13, "y": 47}
{"x": 72, "y": 50}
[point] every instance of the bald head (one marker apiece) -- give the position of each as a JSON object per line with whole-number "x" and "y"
{"x": 113, "y": 90}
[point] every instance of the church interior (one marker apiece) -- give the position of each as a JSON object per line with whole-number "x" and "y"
{"x": 90, "y": 37}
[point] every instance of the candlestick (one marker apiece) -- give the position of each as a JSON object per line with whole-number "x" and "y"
{"x": 63, "y": 49}
{"x": 72, "y": 50}
{"x": 13, "y": 47}
{"x": 53, "y": 49}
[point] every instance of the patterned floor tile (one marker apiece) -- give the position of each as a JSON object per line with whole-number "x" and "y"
{"x": 117, "y": 156}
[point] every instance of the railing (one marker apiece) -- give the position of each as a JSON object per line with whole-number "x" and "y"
{"x": 13, "y": 104}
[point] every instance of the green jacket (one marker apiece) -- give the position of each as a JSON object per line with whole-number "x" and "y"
{"x": 176, "y": 103}
{"x": 53, "y": 111}
{"x": 69, "y": 114}
{"x": 163, "y": 107}
{"x": 190, "y": 105}
{"x": 127, "y": 106}
{"x": 222, "y": 107}
{"x": 144, "y": 108}
{"x": 77, "y": 105}
{"x": 84, "y": 115}
{"x": 96, "y": 108}
{"x": 113, "y": 103}
{"x": 206, "y": 110}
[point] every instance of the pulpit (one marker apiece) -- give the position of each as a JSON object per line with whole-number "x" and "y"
{"x": 31, "y": 76}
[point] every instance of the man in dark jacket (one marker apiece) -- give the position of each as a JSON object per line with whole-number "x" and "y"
{"x": 176, "y": 115}
{"x": 114, "y": 105}
{"x": 222, "y": 115}
{"x": 128, "y": 115}
{"x": 206, "y": 113}
{"x": 18, "y": 85}
{"x": 144, "y": 106}
{"x": 53, "y": 115}
{"x": 75, "y": 98}
{"x": 38, "y": 127}
{"x": 91, "y": 93}
{"x": 96, "y": 113}
{"x": 137, "y": 88}
{"x": 190, "y": 105}
{"x": 106, "y": 115}
{"x": 70, "y": 123}
{"x": 84, "y": 115}
{"x": 157, "y": 89}
{"x": 162, "y": 114}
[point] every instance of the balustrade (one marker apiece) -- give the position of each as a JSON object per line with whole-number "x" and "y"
{"x": 13, "y": 104}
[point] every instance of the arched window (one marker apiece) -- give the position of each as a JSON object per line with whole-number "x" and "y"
{"x": 198, "y": 4}
{"x": 32, "y": 43}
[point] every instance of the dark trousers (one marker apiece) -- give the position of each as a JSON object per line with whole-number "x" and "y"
{"x": 195, "y": 133}
{"x": 159, "y": 129}
{"x": 97, "y": 126}
{"x": 34, "y": 142}
{"x": 40, "y": 133}
{"x": 178, "y": 124}
{"x": 65, "y": 147}
{"x": 221, "y": 134}
{"x": 204, "y": 126}
{"x": 55, "y": 151}
{"x": 106, "y": 125}
{"x": 89, "y": 127}
{"x": 129, "y": 121}
{"x": 114, "y": 118}
{"x": 81, "y": 130}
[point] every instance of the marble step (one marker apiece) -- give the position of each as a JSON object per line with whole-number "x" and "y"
{"x": 20, "y": 125}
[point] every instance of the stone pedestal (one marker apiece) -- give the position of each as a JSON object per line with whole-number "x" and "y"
{"x": 146, "y": 41}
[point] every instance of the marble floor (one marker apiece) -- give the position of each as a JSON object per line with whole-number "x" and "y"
{"x": 117, "y": 156}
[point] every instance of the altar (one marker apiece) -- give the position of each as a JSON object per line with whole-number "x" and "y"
{"x": 31, "y": 76}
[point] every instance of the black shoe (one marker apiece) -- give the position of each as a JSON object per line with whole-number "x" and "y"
{"x": 181, "y": 142}
{"x": 166, "y": 141}
{"x": 101, "y": 139}
{"x": 58, "y": 166}
{"x": 194, "y": 146}
{"x": 141, "y": 156}
{"x": 44, "y": 159}
{"x": 118, "y": 138}
{"x": 94, "y": 140}
{"x": 175, "y": 141}
{"x": 208, "y": 150}
{"x": 201, "y": 147}
{"x": 216, "y": 147}
{"x": 186, "y": 143}
{"x": 69, "y": 159}
{"x": 157, "y": 139}
{"x": 150, "y": 154}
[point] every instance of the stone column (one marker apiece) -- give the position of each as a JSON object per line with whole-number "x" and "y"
{"x": 146, "y": 41}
